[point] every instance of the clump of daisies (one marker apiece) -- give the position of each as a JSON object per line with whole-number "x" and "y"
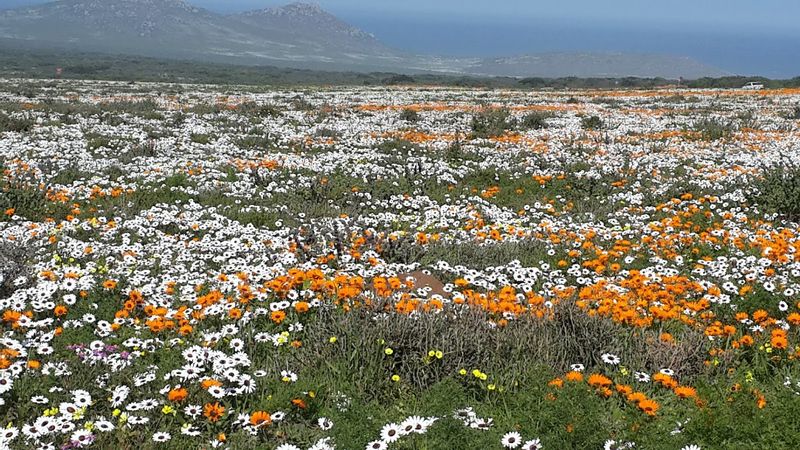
{"x": 513, "y": 439}
{"x": 470, "y": 419}
{"x": 392, "y": 432}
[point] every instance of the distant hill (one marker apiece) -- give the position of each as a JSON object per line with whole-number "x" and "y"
{"x": 298, "y": 35}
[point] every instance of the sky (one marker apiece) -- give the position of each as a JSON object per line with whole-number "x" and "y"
{"x": 740, "y": 36}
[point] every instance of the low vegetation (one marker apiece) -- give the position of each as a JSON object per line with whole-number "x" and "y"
{"x": 205, "y": 267}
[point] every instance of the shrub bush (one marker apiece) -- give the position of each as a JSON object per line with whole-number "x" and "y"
{"x": 409, "y": 115}
{"x": 14, "y": 269}
{"x": 8, "y": 123}
{"x": 200, "y": 138}
{"x": 254, "y": 109}
{"x": 535, "y": 120}
{"x": 713, "y": 129}
{"x": 591, "y": 123}
{"x": 491, "y": 123}
{"x": 778, "y": 189}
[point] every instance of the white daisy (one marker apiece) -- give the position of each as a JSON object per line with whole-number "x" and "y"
{"x": 390, "y": 432}
{"x": 610, "y": 358}
{"x": 533, "y": 444}
{"x": 161, "y": 436}
{"x": 512, "y": 439}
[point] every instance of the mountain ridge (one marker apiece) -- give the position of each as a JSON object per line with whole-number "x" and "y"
{"x": 298, "y": 35}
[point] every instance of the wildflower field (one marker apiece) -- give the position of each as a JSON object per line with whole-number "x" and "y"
{"x": 391, "y": 268}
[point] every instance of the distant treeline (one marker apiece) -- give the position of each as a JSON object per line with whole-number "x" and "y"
{"x": 39, "y": 63}
{"x": 734, "y": 82}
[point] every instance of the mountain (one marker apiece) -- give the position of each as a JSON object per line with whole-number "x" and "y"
{"x": 306, "y": 31}
{"x": 170, "y": 28}
{"x": 298, "y": 35}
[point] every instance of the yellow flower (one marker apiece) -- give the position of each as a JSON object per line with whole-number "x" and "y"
{"x": 462, "y": 372}
{"x": 476, "y": 373}
{"x": 79, "y": 414}
{"x": 332, "y": 339}
{"x": 388, "y": 350}
{"x": 491, "y": 387}
{"x": 88, "y": 426}
{"x": 116, "y": 413}
{"x": 168, "y": 410}
{"x": 431, "y": 353}
{"x": 395, "y": 378}
{"x": 483, "y": 377}
{"x": 439, "y": 354}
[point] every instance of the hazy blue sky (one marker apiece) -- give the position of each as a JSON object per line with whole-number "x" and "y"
{"x": 740, "y": 36}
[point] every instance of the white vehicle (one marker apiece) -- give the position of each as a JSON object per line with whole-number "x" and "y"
{"x": 753, "y": 86}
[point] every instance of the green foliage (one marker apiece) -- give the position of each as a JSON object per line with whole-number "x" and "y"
{"x": 778, "y": 189}
{"x": 198, "y": 138}
{"x": 735, "y": 82}
{"x": 592, "y": 123}
{"x": 14, "y": 259}
{"x": 492, "y": 123}
{"x": 145, "y": 149}
{"x": 254, "y": 109}
{"x": 69, "y": 175}
{"x": 327, "y": 133}
{"x": 29, "y": 201}
{"x": 712, "y": 129}
{"x": 535, "y": 120}
{"x": 398, "y": 79}
{"x": 251, "y": 141}
{"x": 409, "y": 115}
{"x": 15, "y": 124}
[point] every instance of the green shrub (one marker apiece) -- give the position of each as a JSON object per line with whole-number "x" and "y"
{"x": 145, "y": 149}
{"x": 254, "y": 109}
{"x": 592, "y": 123}
{"x": 778, "y": 189}
{"x": 409, "y": 115}
{"x": 327, "y": 133}
{"x": 535, "y": 120}
{"x": 200, "y": 138}
{"x": 491, "y": 123}
{"x": 8, "y": 123}
{"x": 14, "y": 266}
{"x": 714, "y": 129}
{"x": 254, "y": 141}
{"x": 93, "y": 142}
